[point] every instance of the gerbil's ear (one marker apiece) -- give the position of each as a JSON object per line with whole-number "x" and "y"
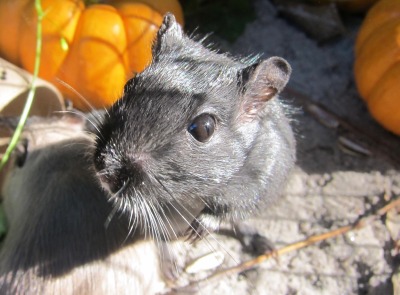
{"x": 169, "y": 34}
{"x": 261, "y": 82}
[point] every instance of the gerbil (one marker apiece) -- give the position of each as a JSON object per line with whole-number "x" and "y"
{"x": 196, "y": 138}
{"x": 197, "y": 126}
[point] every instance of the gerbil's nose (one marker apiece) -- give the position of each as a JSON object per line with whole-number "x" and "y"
{"x": 114, "y": 181}
{"x": 118, "y": 180}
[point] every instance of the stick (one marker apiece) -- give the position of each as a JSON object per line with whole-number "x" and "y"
{"x": 292, "y": 247}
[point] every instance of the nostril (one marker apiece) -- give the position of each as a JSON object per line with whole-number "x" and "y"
{"x": 114, "y": 181}
{"x": 98, "y": 161}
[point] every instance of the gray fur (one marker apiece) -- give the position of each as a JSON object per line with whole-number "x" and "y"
{"x": 145, "y": 137}
{"x": 58, "y": 241}
{"x": 82, "y": 210}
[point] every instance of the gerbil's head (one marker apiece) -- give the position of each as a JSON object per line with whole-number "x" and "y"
{"x": 190, "y": 126}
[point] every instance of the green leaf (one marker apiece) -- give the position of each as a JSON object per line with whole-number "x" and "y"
{"x": 32, "y": 89}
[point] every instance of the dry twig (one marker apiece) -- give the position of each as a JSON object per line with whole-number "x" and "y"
{"x": 361, "y": 223}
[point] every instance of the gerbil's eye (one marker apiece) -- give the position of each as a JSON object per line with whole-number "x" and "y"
{"x": 21, "y": 152}
{"x": 202, "y": 127}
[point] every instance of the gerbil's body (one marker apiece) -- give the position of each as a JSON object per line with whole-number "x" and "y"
{"x": 196, "y": 138}
{"x": 58, "y": 240}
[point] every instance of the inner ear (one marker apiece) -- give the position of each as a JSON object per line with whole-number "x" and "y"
{"x": 261, "y": 82}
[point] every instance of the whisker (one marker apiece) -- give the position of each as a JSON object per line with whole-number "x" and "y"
{"x": 133, "y": 215}
{"x": 83, "y": 115}
{"x": 106, "y": 111}
{"x": 98, "y": 116}
{"x": 195, "y": 219}
{"x": 154, "y": 233}
{"x": 87, "y": 103}
{"x": 110, "y": 216}
{"x": 172, "y": 196}
{"x": 102, "y": 172}
{"x": 143, "y": 210}
{"x": 161, "y": 227}
{"x": 5, "y": 141}
{"x": 171, "y": 251}
{"x": 123, "y": 187}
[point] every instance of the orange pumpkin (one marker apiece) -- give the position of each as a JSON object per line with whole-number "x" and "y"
{"x": 87, "y": 52}
{"x": 377, "y": 63}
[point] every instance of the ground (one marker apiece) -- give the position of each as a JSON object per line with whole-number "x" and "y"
{"x": 329, "y": 187}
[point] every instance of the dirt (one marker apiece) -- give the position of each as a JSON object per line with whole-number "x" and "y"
{"x": 329, "y": 187}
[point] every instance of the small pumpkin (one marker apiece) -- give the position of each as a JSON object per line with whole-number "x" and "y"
{"x": 377, "y": 63}
{"x": 92, "y": 49}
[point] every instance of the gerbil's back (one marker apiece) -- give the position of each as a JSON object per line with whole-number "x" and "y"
{"x": 59, "y": 241}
